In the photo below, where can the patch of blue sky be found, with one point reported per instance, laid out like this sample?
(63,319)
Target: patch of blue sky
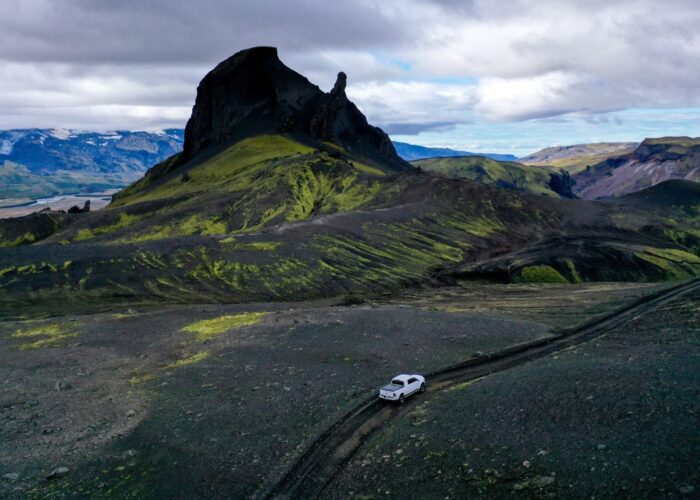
(523,138)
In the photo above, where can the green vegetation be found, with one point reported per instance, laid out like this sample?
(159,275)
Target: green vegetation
(141,379)
(43,335)
(575,159)
(264,246)
(367,169)
(231,170)
(259,181)
(194,224)
(392,254)
(313,192)
(478,226)
(23,239)
(125,220)
(210,328)
(686,142)
(576,278)
(676,264)
(541,274)
(491,172)
(189,360)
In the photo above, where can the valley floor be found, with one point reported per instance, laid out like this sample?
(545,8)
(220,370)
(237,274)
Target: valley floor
(613,418)
(217,401)
(24,206)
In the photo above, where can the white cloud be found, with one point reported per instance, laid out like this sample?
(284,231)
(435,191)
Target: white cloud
(550,94)
(421,105)
(412,64)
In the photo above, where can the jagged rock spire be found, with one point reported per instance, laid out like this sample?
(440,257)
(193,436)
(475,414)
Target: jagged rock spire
(253,93)
(340,83)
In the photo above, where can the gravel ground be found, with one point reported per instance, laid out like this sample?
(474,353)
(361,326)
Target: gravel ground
(559,306)
(614,418)
(134,406)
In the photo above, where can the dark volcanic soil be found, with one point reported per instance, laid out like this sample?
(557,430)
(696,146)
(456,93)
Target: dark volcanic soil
(614,418)
(132,405)
(225,416)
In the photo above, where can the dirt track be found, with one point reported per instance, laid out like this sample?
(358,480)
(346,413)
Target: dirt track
(330,452)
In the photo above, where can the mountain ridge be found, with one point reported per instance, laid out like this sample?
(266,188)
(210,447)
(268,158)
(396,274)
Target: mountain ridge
(410,152)
(575,157)
(312,209)
(72,161)
(506,175)
(655,160)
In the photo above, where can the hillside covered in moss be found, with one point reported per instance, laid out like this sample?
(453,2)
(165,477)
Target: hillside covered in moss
(503,174)
(285,192)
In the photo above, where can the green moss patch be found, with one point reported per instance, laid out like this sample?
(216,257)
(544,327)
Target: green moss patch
(534,180)
(225,171)
(192,225)
(125,220)
(188,360)
(210,328)
(259,181)
(541,274)
(44,335)
(22,239)
(674,263)
(141,379)
(575,277)
(263,246)
(362,167)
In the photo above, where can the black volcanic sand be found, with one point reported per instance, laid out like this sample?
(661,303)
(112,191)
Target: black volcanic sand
(614,418)
(559,306)
(230,423)
(223,425)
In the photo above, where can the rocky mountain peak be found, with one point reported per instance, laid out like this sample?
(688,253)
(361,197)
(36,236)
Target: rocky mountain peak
(253,93)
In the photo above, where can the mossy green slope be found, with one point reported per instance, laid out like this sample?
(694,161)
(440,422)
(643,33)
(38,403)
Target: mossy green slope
(267,219)
(255,183)
(510,175)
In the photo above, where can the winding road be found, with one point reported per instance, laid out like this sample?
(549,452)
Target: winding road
(327,455)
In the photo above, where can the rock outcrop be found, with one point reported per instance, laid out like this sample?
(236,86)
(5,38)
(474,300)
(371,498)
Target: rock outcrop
(253,93)
(652,162)
(75,209)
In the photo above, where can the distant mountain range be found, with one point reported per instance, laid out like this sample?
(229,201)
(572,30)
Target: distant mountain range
(36,163)
(43,162)
(652,162)
(577,157)
(410,152)
(612,169)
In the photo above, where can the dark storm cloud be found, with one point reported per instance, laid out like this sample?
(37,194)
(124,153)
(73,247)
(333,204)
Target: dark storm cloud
(183,31)
(411,63)
(417,128)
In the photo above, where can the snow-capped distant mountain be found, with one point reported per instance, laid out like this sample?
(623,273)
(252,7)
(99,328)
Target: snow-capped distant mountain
(43,162)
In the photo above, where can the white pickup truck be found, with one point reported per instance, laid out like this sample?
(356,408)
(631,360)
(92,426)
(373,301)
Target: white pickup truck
(401,387)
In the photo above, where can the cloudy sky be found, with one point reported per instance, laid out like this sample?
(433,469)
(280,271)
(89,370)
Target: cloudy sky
(507,76)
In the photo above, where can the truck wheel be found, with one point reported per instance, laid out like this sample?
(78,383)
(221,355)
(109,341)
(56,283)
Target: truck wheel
(422,387)
(401,399)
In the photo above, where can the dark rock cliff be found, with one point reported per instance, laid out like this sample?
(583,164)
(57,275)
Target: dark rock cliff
(253,92)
